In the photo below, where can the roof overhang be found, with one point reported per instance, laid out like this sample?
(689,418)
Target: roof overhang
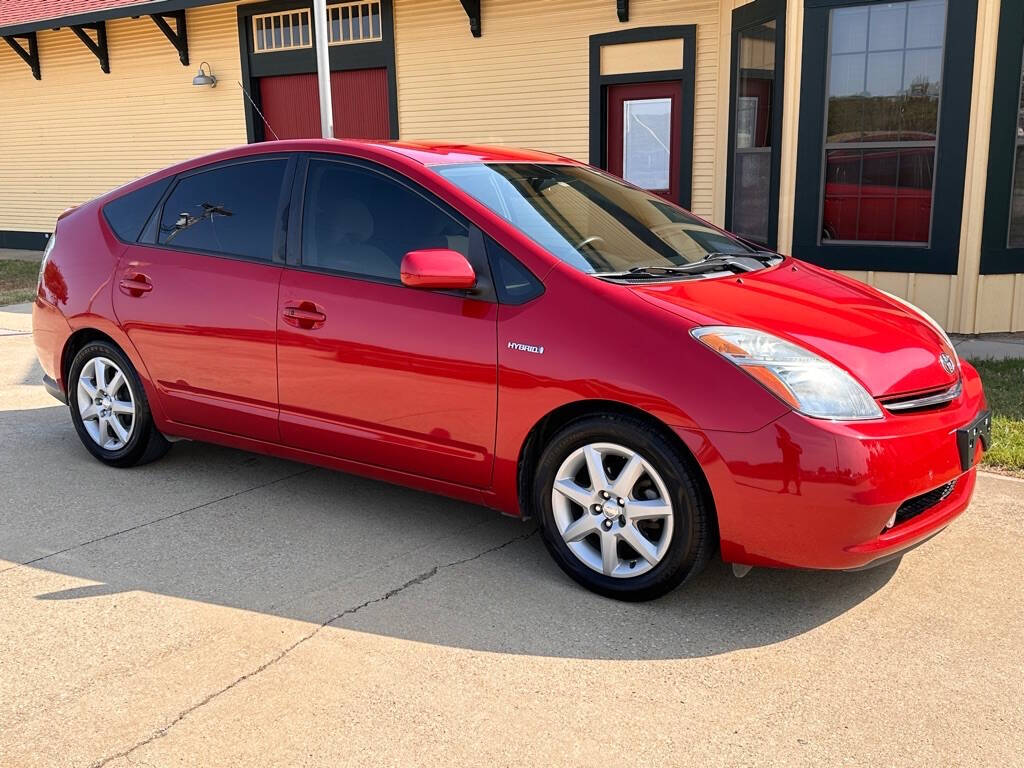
(146,8)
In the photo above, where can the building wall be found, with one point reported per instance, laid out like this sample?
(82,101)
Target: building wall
(78,132)
(525,81)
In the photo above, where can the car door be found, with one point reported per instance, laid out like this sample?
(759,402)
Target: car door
(371,370)
(197,295)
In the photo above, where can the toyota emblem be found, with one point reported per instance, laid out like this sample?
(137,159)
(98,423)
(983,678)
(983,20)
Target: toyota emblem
(947,363)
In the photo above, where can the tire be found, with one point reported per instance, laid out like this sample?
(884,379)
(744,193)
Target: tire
(102,360)
(678,541)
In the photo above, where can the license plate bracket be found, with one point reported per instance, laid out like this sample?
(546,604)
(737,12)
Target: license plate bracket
(967,438)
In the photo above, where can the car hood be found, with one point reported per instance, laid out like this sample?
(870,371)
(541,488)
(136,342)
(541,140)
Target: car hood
(888,348)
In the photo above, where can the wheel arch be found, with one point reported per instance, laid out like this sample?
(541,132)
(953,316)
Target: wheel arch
(84,335)
(75,342)
(558,418)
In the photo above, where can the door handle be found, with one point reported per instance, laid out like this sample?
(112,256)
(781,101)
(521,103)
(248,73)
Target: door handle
(306,315)
(136,285)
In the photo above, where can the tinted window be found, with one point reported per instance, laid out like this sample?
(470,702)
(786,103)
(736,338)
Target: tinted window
(128,214)
(514,282)
(231,210)
(361,222)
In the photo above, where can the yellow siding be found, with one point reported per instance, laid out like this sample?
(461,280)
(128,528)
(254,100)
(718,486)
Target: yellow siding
(525,81)
(78,132)
(650,56)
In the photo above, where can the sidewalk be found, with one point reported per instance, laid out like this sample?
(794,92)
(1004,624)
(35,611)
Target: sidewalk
(989,346)
(14,254)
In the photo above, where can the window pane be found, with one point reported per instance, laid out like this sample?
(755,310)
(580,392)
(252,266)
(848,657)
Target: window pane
(647,131)
(1016,235)
(753,140)
(878,194)
(128,214)
(363,223)
(230,210)
(883,194)
(885,71)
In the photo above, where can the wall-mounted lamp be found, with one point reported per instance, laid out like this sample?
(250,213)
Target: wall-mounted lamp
(206,78)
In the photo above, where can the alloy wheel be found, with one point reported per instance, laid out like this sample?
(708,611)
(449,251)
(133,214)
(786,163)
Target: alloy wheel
(612,509)
(106,404)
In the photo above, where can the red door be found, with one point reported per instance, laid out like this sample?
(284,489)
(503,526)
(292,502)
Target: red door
(359,97)
(644,131)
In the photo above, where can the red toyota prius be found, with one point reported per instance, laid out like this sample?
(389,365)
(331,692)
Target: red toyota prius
(521,331)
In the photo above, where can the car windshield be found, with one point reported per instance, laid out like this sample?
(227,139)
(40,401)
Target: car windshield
(590,220)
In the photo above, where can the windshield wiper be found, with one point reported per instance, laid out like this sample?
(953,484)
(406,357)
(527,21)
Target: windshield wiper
(765,257)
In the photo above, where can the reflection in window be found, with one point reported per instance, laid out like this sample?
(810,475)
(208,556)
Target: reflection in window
(884,86)
(647,132)
(752,159)
(1016,234)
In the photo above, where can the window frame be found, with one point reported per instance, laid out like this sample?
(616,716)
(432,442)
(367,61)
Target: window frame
(997,257)
(743,19)
(150,236)
(941,254)
(478,256)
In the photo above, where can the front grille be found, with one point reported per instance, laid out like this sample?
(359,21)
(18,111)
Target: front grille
(936,398)
(918,505)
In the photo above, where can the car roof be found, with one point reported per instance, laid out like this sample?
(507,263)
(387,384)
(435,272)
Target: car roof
(427,152)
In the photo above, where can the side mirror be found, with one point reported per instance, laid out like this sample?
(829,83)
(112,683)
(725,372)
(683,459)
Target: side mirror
(437,268)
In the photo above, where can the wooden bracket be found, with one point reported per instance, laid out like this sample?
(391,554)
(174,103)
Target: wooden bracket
(178,36)
(472,8)
(30,56)
(98,47)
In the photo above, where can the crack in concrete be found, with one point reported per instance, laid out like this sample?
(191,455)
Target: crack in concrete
(170,516)
(419,579)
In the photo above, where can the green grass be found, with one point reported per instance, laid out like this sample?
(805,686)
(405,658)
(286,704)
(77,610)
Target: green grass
(1004,389)
(18,281)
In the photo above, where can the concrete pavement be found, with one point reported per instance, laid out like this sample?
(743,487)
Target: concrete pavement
(222,608)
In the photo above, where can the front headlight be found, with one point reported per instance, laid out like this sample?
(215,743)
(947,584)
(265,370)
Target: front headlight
(804,380)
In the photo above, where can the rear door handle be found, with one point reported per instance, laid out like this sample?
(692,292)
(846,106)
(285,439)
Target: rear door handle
(304,315)
(136,285)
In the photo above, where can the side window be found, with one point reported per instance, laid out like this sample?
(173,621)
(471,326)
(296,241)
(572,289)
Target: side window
(515,284)
(362,223)
(231,210)
(128,214)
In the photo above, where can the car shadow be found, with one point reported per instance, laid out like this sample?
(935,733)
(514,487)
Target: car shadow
(259,534)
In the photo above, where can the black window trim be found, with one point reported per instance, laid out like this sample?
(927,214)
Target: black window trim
(150,232)
(942,254)
(685,77)
(485,288)
(997,257)
(743,18)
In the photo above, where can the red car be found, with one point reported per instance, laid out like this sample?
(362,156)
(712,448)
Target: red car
(517,330)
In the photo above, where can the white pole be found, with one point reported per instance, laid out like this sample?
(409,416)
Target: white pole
(323,68)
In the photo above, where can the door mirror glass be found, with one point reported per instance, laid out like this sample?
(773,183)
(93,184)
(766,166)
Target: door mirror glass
(437,269)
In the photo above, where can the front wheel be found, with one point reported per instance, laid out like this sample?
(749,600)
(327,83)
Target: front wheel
(109,408)
(620,508)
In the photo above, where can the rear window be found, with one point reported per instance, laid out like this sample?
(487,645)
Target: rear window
(128,214)
(229,209)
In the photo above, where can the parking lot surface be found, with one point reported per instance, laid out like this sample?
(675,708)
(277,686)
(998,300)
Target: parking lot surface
(223,608)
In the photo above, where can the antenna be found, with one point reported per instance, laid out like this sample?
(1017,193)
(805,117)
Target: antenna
(264,119)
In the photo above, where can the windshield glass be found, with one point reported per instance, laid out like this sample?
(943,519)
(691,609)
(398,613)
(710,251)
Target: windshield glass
(590,220)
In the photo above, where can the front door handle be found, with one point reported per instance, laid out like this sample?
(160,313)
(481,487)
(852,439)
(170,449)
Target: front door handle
(305,315)
(136,285)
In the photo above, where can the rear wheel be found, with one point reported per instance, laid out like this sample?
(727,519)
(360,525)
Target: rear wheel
(109,408)
(621,511)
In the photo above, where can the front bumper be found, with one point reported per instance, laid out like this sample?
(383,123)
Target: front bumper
(808,493)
